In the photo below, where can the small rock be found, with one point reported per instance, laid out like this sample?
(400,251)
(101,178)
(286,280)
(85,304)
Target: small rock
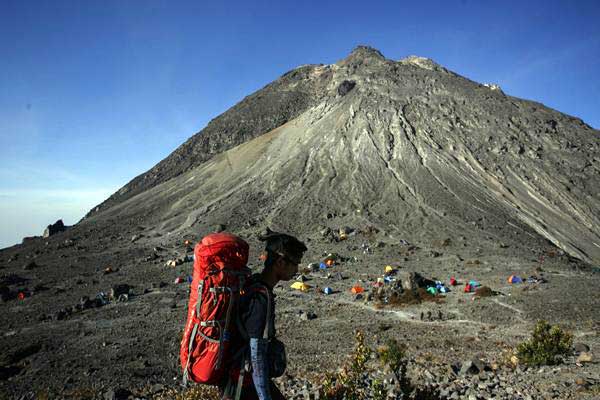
(219,228)
(117,394)
(346,230)
(5,293)
(135,238)
(581,348)
(474,366)
(307,316)
(158,285)
(119,289)
(86,303)
(151,257)
(585,357)
(30,265)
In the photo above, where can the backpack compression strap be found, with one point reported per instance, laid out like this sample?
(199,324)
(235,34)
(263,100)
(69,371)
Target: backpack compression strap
(196,313)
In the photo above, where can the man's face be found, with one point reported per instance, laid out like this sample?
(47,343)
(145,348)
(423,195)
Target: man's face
(286,268)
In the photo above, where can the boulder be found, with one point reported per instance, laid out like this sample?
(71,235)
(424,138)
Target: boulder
(581,348)
(55,228)
(30,265)
(5,293)
(345,87)
(345,230)
(117,394)
(472,367)
(119,290)
(414,280)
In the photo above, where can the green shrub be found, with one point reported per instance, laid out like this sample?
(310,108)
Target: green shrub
(348,384)
(393,355)
(546,346)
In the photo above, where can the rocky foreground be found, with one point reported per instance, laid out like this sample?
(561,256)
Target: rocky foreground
(102,315)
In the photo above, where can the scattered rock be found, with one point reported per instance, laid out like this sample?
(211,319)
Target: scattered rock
(136,237)
(413,280)
(345,87)
(55,228)
(158,285)
(30,265)
(5,293)
(581,348)
(118,290)
(117,394)
(585,357)
(307,316)
(86,303)
(219,228)
(346,230)
(175,262)
(151,257)
(472,367)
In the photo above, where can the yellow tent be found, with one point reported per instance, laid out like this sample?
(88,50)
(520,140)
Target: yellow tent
(300,286)
(389,269)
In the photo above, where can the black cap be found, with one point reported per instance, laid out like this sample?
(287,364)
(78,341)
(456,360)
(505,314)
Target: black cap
(283,244)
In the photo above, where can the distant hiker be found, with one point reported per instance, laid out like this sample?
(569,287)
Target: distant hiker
(229,337)
(257,317)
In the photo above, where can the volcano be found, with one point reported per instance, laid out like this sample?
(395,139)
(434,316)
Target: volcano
(406,146)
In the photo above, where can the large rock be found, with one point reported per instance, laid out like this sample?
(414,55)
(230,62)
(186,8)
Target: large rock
(413,280)
(55,228)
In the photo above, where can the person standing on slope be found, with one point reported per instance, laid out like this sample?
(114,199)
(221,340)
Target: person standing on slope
(265,354)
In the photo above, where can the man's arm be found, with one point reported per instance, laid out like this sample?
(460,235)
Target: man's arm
(260,367)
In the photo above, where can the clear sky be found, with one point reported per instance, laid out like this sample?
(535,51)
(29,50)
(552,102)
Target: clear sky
(93,93)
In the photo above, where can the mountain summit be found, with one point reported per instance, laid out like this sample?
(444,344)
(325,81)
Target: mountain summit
(406,146)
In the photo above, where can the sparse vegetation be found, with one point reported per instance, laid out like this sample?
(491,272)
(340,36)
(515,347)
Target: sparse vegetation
(394,357)
(548,343)
(410,297)
(356,380)
(348,384)
(195,392)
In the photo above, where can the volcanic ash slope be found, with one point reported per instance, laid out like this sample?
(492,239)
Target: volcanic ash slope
(413,149)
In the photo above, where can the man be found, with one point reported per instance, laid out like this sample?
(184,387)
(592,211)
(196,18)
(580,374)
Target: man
(265,354)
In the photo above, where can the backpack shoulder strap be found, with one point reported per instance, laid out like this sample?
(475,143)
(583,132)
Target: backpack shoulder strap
(261,288)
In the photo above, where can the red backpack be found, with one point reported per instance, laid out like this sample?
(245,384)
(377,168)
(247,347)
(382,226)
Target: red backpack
(220,274)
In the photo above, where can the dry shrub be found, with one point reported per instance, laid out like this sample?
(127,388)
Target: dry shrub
(196,392)
(484,291)
(81,394)
(411,297)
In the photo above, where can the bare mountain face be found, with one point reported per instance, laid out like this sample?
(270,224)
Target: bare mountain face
(406,146)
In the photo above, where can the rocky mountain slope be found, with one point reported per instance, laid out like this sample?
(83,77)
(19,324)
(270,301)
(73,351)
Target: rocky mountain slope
(411,148)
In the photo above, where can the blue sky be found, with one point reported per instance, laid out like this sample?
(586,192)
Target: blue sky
(93,93)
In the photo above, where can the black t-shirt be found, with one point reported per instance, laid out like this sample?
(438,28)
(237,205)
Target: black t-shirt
(253,309)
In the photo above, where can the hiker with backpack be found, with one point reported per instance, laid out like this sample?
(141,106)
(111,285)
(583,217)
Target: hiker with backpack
(229,338)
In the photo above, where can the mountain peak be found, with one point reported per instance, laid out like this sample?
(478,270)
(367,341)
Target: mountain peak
(423,62)
(362,51)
